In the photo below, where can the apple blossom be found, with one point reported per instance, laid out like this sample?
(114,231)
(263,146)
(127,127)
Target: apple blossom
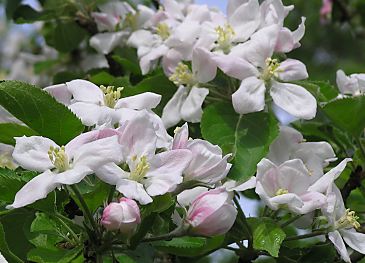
(123,216)
(212,213)
(351,85)
(145,173)
(65,165)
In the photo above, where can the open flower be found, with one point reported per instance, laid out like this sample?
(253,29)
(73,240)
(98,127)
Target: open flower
(143,173)
(60,165)
(187,101)
(351,85)
(252,63)
(343,224)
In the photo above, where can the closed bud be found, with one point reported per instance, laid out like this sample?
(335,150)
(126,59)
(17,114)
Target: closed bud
(123,216)
(212,213)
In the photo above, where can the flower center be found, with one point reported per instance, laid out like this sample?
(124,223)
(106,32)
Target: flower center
(140,170)
(348,220)
(59,158)
(281,191)
(182,75)
(270,69)
(131,21)
(225,37)
(7,162)
(163,31)
(111,96)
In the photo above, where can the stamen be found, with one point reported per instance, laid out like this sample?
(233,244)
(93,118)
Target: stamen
(163,31)
(131,21)
(141,169)
(111,96)
(271,69)
(225,37)
(348,220)
(281,191)
(59,158)
(182,76)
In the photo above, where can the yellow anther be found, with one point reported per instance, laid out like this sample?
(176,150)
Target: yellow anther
(348,220)
(163,31)
(111,96)
(140,170)
(225,37)
(131,21)
(177,129)
(182,76)
(59,158)
(271,69)
(281,191)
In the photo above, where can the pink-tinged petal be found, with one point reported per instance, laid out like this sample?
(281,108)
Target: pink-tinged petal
(134,190)
(245,20)
(111,173)
(85,91)
(87,137)
(170,61)
(97,153)
(171,114)
(282,147)
(354,239)
(181,138)
(232,185)
(250,96)
(106,42)
(138,137)
(105,21)
(89,113)
(298,34)
(235,67)
(146,100)
(191,109)
(285,41)
(233,5)
(311,202)
(147,61)
(292,69)
(294,99)
(336,239)
(31,153)
(60,93)
(346,85)
(203,66)
(322,184)
(186,197)
(274,12)
(37,188)
(267,176)
(166,170)
(293,176)
(292,200)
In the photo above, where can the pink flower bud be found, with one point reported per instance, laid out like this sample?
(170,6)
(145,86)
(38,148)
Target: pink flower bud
(212,213)
(123,216)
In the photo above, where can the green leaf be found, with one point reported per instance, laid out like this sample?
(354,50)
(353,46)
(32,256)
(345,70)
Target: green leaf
(43,255)
(65,37)
(39,111)
(10,184)
(182,242)
(347,114)
(9,256)
(10,130)
(248,136)
(267,235)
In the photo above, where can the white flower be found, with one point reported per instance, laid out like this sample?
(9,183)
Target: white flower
(252,63)
(187,101)
(343,224)
(351,85)
(60,165)
(144,173)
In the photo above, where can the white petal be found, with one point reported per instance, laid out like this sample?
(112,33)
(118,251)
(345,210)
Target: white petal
(203,66)
(336,239)
(32,153)
(171,113)
(292,69)
(346,85)
(105,42)
(294,176)
(311,202)
(146,100)
(354,239)
(140,38)
(105,21)
(134,190)
(285,41)
(181,138)
(292,200)
(232,185)
(250,96)
(146,61)
(166,171)
(299,32)
(233,5)
(191,110)
(294,99)
(267,177)
(60,93)
(235,66)
(186,197)
(85,91)
(89,113)
(111,173)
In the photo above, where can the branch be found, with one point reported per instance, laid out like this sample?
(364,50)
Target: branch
(353,182)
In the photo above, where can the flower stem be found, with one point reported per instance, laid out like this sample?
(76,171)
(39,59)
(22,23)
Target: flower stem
(291,220)
(111,193)
(178,232)
(313,234)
